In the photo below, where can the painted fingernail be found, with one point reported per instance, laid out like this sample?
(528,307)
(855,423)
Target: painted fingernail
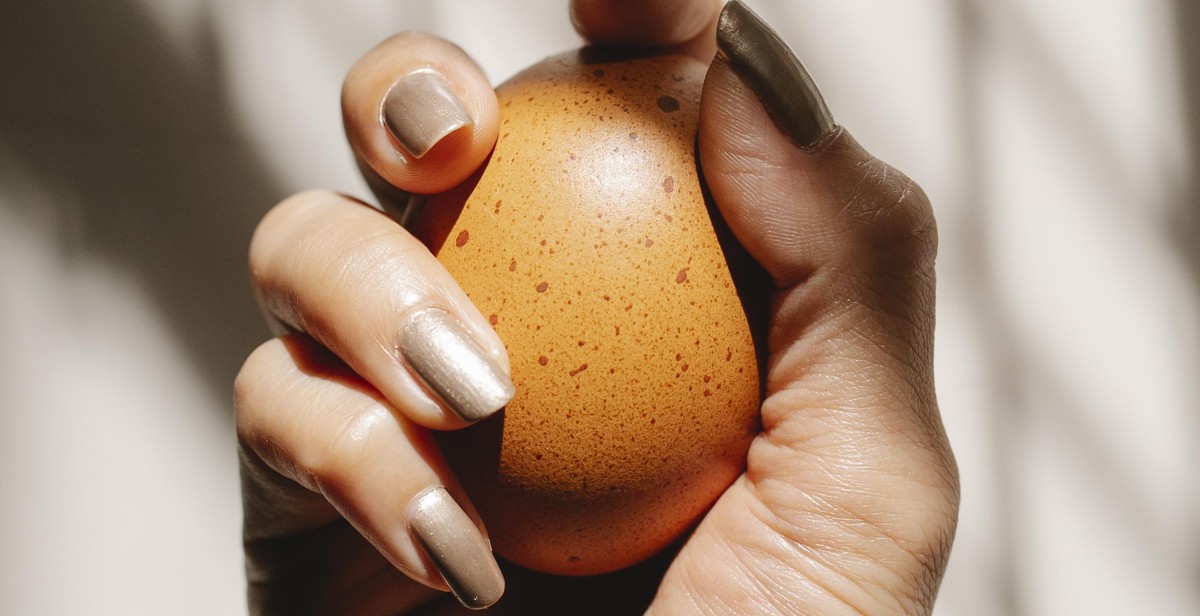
(456,547)
(767,65)
(453,365)
(421,109)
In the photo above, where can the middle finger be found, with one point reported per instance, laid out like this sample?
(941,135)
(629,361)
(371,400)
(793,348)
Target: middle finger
(357,282)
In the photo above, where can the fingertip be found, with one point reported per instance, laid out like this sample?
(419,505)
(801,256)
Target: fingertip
(313,421)
(419,113)
(801,194)
(422,109)
(644,22)
(441,351)
(766,64)
(454,543)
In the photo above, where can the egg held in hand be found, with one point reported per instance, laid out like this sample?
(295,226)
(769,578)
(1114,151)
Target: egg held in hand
(587,242)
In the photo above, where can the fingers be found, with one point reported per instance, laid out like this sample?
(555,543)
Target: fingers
(800,193)
(419,113)
(311,420)
(829,222)
(363,287)
(846,238)
(850,494)
(682,24)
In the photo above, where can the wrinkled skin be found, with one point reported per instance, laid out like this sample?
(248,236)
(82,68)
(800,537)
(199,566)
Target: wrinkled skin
(850,496)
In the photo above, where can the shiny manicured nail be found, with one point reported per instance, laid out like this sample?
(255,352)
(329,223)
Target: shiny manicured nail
(767,65)
(453,365)
(456,547)
(421,109)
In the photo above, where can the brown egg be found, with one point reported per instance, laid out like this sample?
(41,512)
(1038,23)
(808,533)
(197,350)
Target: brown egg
(588,244)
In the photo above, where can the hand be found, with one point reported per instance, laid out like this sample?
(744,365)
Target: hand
(850,495)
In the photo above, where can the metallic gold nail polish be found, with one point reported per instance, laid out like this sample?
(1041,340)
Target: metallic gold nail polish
(421,109)
(767,65)
(441,351)
(456,547)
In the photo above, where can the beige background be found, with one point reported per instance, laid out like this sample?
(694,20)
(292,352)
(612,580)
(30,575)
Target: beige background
(140,140)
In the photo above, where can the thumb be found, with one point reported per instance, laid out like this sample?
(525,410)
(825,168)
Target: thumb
(850,495)
(798,191)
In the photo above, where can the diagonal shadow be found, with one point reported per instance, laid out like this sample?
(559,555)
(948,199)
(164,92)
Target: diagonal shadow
(1017,371)
(1004,419)
(1183,215)
(1074,119)
(148,169)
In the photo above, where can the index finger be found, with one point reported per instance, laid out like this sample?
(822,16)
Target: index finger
(683,24)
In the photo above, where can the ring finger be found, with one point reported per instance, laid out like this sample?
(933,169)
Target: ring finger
(318,437)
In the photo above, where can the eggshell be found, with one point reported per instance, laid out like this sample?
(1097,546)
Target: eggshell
(588,244)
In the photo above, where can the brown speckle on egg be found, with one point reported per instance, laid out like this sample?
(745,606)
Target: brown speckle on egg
(589,470)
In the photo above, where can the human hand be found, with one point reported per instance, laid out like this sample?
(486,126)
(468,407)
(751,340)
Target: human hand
(850,495)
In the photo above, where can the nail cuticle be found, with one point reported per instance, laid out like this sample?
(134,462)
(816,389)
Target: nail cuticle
(827,138)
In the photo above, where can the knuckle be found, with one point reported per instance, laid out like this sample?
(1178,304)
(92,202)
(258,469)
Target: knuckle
(893,214)
(318,436)
(366,262)
(254,377)
(337,453)
(315,258)
(277,226)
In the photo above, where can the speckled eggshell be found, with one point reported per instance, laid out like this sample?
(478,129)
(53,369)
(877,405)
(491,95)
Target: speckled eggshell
(588,244)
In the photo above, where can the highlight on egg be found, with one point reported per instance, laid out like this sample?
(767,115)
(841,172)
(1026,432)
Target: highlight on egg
(588,242)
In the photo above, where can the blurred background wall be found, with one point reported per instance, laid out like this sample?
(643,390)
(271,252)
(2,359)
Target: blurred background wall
(141,140)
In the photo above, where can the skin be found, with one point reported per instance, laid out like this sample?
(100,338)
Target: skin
(850,496)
